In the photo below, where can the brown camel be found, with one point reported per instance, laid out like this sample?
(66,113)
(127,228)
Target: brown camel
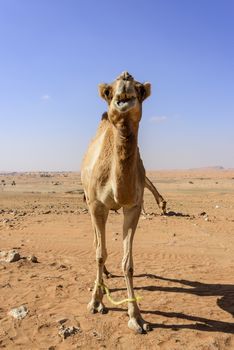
(113,176)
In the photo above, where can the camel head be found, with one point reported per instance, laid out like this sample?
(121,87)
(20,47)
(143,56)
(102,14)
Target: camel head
(124,97)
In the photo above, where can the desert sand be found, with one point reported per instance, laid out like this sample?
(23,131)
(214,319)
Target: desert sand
(184,264)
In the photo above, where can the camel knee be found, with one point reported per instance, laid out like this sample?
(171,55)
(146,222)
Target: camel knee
(128,272)
(127,268)
(101,259)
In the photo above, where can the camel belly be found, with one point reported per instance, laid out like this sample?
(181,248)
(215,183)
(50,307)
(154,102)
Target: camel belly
(106,196)
(115,200)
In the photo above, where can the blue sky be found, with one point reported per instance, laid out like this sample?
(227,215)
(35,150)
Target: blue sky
(54,53)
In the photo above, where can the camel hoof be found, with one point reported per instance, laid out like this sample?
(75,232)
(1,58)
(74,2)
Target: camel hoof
(96,306)
(147,327)
(103,311)
(133,324)
(139,326)
(107,273)
(91,308)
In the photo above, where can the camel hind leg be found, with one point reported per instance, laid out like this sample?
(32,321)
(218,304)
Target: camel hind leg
(159,199)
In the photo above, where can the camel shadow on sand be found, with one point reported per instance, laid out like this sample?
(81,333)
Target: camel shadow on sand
(225,302)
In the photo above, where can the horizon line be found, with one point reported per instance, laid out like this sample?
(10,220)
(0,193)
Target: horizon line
(216,167)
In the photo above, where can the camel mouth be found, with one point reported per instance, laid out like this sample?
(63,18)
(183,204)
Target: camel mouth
(125,103)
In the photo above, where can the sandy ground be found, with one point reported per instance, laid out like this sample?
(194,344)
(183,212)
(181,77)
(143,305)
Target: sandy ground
(184,264)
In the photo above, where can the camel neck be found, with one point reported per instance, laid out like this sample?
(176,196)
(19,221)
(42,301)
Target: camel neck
(125,142)
(125,163)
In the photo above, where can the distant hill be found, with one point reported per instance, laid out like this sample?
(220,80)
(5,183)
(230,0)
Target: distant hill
(5,173)
(216,167)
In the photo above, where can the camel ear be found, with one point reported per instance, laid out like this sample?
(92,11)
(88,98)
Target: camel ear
(105,91)
(147,87)
(144,91)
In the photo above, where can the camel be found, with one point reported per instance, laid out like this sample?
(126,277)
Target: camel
(113,176)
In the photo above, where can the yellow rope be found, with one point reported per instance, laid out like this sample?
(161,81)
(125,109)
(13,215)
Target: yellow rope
(102,285)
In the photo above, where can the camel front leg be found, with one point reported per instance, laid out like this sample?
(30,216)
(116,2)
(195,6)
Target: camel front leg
(131,217)
(99,214)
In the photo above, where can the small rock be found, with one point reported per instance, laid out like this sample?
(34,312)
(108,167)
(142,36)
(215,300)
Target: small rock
(217,206)
(23,213)
(203,213)
(19,313)
(46,212)
(62,266)
(62,320)
(32,258)
(66,332)
(13,212)
(12,256)
(3,254)
(97,335)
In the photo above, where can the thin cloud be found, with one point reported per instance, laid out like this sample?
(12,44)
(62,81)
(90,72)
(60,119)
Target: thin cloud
(158,119)
(45,97)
